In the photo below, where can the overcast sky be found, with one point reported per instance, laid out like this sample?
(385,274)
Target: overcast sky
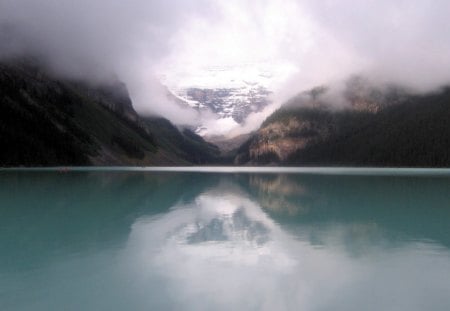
(304,42)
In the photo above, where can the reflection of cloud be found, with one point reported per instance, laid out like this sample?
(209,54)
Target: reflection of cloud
(357,239)
(222,252)
(230,226)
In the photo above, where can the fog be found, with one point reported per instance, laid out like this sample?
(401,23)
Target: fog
(97,40)
(307,43)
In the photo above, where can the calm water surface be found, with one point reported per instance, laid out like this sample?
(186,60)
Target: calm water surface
(314,239)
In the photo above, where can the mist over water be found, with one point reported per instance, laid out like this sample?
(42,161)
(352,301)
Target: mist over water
(199,241)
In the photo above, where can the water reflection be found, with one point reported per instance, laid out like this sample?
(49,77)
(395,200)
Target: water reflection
(226,250)
(217,252)
(189,241)
(401,208)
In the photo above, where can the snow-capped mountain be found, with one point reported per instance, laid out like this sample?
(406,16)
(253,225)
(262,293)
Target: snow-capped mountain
(236,102)
(231,93)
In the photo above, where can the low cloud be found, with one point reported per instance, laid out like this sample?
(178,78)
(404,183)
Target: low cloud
(314,42)
(98,39)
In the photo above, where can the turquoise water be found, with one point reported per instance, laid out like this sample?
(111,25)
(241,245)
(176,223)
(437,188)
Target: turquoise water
(225,239)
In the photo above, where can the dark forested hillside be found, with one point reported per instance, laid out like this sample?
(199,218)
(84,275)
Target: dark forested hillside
(412,132)
(46,121)
(185,144)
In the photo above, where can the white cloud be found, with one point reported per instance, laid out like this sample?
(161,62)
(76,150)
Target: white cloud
(304,42)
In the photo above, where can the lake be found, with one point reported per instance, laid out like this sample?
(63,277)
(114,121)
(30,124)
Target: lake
(224,239)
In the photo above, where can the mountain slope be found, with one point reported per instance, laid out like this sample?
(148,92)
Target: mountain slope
(48,121)
(184,144)
(406,130)
(415,133)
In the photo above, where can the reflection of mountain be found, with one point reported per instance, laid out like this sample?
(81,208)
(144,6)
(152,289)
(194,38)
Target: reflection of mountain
(275,193)
(356,211)
(90,210)
(43,214)
(230,220)
(402,207)
(220,221)
(221,250)
(217,252)
(202,241)
(229,227)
